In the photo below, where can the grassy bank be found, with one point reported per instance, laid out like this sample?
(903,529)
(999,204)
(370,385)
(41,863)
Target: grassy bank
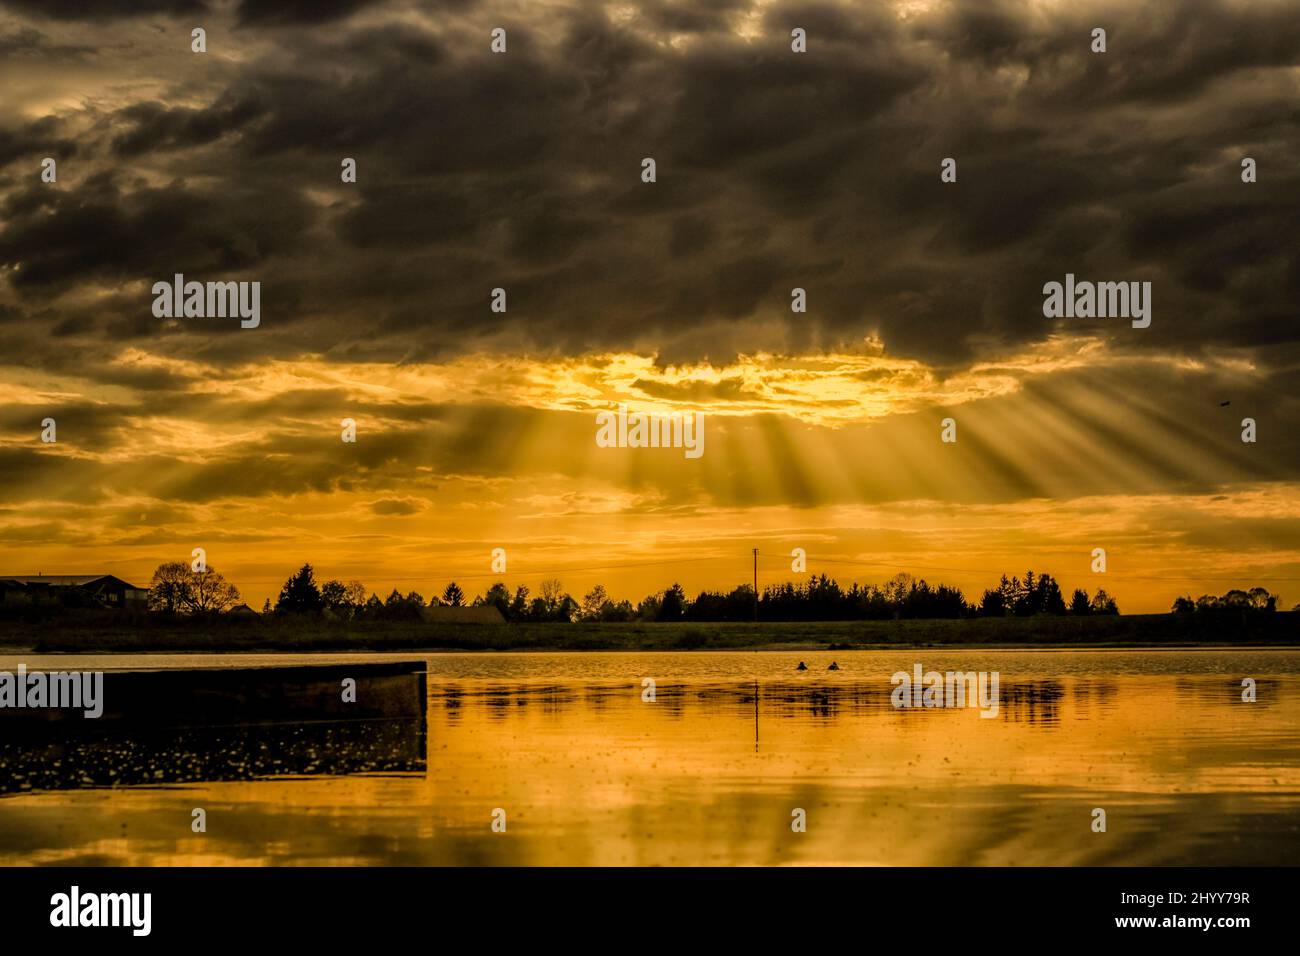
(106,633)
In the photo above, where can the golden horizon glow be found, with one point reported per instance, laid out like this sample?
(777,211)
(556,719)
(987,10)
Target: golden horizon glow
(837,453)
(776,170)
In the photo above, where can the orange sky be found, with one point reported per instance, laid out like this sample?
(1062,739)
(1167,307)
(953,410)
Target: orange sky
(776,170)
(838,454)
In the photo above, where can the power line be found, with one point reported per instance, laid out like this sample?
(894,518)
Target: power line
(1124,574)
(534,572)
(724,561)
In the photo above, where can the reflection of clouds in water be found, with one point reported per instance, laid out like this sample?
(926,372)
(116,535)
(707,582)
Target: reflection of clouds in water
(224,723)
(186,756)
(591,774)
(1227,691)
(1033,701)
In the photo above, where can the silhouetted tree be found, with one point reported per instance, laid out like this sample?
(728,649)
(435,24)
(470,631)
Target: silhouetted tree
(1261,600)
(1103,603)
(334,594)
(551,604)
(170,587)
(300,595)
(618,611)
(992,604)
(1044,595)
(519,604)
(735,606)
(593,604)
(210,593)
(551,592)
(673,604)
(176,588)
(648,609)
(567,609)
(1235,604)
(499,597)
(453,595)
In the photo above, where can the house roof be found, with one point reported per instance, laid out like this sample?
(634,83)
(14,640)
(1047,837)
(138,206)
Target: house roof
(67,580)
(475,614)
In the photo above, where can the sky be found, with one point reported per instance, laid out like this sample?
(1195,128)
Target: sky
(774,170)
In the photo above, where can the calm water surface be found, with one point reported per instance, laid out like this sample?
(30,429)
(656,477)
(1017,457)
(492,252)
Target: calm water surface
(708,774)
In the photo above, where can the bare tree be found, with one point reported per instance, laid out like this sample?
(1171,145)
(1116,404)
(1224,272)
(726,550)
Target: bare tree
(169,591)
(211,593)
(178,589)
(594,602)
(551,592)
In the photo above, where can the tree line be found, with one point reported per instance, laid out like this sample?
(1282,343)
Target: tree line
(178,589)
(1236,601)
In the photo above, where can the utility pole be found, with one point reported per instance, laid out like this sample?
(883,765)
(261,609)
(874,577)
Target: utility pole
(756,585)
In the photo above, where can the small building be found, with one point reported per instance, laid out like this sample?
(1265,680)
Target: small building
(242,610)
(476,614)
(84,590)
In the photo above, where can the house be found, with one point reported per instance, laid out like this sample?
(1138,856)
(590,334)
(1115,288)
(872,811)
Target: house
(84,590)
(478,614)
(242,610)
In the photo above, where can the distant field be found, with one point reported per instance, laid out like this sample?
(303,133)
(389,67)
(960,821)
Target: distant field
(107,634)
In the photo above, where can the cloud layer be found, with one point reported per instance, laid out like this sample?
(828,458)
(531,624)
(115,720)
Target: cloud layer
(775,170)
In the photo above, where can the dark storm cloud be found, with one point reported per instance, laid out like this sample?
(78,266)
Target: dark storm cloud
(280,463)
(102,232)
(104,9)
(29,42)
(690,16)
(775,170)
(36,140)
(396,506)
(93,427)
(156,127)
(730,389)
(264,12)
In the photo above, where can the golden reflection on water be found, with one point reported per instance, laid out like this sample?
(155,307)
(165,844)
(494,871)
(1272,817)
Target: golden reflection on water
(589,773)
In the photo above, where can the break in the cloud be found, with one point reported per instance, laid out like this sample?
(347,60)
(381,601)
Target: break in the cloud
(775,170)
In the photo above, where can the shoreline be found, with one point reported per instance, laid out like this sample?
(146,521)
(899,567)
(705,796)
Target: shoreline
(15,651)
(106,634)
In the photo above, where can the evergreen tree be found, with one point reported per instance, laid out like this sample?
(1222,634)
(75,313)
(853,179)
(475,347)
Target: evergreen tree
(673,605)
(453,596)
(300,595)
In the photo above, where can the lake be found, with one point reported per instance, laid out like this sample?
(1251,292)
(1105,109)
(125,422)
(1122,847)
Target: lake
(585,769)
